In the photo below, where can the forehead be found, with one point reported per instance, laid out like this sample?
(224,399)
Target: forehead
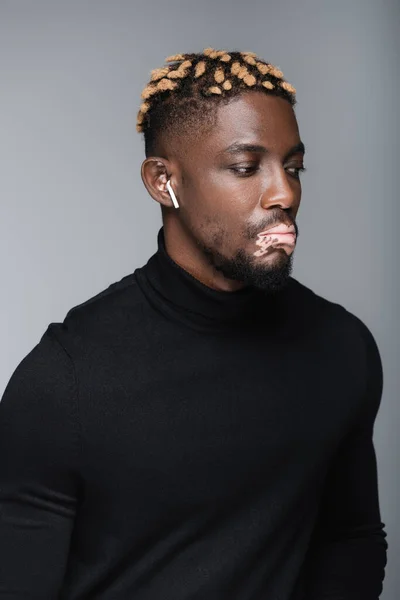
(252,118)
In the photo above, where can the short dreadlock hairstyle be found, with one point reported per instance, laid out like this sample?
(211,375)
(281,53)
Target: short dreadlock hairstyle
(185,91)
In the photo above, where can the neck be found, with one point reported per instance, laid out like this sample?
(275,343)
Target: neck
(184,250)
(179,295)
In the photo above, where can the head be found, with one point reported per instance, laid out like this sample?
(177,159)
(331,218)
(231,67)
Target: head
(221,128)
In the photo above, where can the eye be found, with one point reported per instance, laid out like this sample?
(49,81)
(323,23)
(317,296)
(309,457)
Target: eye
(297,171)
(244,170)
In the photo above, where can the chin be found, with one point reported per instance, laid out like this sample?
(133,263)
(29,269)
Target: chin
(270,273)
(271,279)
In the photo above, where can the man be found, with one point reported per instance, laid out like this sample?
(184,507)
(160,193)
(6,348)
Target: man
(202,429)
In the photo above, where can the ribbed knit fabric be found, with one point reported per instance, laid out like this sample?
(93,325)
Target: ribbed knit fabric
(168,441)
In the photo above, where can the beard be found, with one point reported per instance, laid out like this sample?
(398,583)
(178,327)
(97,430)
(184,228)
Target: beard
(270,278)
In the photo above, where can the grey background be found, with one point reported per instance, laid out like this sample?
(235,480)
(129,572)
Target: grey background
(74,215)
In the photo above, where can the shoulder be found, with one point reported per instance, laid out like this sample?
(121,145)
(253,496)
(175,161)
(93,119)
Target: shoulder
(107,303)
(49,369)
(335,327)
(341,335)
(100,318)
(309,304)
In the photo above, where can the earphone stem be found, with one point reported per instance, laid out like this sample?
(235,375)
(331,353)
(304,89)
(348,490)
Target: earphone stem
(172,194)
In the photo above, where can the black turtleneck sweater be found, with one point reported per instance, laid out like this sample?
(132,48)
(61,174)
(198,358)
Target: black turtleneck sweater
(168,441)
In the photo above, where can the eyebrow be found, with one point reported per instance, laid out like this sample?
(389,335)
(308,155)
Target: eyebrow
(236,148)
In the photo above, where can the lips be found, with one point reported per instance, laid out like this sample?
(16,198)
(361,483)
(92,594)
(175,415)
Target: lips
(279,229)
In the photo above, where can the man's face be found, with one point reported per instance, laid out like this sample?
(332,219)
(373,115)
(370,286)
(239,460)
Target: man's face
(240,179)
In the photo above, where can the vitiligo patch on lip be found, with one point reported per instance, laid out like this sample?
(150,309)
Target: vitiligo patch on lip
(266,242)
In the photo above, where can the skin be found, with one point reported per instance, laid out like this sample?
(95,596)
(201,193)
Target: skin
(227,197)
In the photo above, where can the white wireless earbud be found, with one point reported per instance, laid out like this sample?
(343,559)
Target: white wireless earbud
(172,194)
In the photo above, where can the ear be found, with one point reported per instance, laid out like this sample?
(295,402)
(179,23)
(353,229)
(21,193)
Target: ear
(155,173)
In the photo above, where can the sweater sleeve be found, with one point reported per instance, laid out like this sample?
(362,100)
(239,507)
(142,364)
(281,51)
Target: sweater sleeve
(347,555)
(38,472)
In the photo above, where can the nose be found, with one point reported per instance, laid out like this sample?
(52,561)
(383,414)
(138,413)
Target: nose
(279,191)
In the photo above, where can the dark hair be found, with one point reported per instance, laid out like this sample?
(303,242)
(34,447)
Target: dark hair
(190,86)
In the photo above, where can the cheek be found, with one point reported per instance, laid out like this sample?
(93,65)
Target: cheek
(229,195)
(218,203)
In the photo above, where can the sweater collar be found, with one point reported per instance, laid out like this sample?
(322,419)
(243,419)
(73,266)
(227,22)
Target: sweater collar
(179,295)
